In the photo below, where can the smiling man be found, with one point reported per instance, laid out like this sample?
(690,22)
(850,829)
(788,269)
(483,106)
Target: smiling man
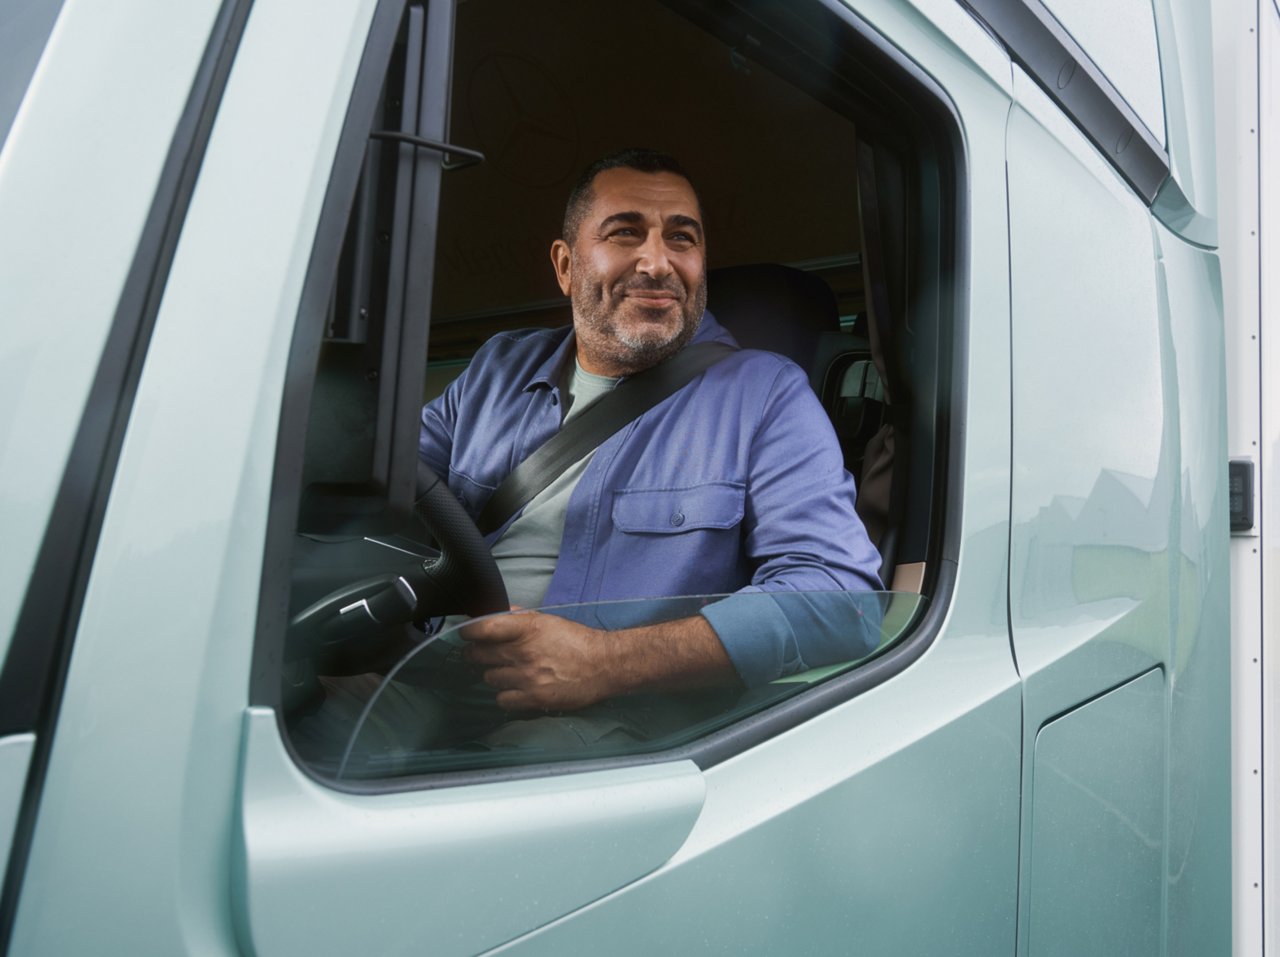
(633,261)
(733,484)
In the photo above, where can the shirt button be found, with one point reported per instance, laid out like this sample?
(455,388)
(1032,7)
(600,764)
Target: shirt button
(677,519)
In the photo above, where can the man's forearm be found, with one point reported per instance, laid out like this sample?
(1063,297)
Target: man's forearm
(538,661)
(670,656)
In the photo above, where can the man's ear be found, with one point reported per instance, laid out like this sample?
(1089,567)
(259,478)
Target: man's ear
(562,263)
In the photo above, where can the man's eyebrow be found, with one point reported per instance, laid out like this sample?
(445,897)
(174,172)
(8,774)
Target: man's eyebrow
(688,222)
(630,217)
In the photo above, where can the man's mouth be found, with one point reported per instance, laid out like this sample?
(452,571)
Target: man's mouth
(652,298)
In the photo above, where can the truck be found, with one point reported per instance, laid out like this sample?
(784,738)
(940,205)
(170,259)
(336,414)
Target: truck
(1023,251)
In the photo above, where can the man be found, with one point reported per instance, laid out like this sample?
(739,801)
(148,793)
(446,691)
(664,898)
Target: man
(734,484)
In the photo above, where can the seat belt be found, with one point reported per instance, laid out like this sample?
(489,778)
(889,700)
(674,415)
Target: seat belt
(586,431)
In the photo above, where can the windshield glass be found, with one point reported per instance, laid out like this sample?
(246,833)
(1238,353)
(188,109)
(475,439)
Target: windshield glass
(25,26)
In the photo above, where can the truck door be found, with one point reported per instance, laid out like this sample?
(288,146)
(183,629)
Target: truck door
(175,813)
(462,851)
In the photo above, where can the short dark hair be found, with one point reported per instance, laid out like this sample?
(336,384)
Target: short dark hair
(636,158)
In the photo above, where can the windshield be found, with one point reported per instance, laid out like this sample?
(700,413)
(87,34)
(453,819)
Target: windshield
(25,26)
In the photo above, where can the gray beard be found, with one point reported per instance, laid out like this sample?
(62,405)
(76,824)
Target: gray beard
(628,353)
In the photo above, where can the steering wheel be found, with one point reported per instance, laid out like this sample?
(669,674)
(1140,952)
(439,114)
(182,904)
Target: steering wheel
(462,578)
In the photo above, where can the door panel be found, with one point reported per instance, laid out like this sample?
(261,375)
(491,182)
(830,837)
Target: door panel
(1119,529)
(900,839)
(453,871)
(1094,439)
(1094,471)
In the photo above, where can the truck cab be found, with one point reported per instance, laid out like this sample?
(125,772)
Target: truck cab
(243,241)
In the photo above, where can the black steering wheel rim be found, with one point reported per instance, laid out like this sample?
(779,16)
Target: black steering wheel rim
(462,578)
(465,569)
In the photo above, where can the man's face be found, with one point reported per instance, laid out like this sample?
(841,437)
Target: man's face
(636,271)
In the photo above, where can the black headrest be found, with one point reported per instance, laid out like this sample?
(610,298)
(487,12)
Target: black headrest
(767,306)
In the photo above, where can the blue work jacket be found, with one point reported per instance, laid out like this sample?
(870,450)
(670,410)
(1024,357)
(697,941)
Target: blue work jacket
(735,484)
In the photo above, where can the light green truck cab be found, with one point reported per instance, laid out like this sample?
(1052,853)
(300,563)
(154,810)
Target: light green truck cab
(1019,207)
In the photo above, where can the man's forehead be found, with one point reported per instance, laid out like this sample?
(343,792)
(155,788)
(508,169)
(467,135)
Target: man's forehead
(661,194)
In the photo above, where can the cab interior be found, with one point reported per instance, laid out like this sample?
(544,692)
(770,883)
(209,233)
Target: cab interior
(807,194)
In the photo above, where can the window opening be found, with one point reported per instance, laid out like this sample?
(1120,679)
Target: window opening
(846,152)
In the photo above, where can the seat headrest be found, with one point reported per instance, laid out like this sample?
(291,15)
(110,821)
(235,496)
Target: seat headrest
(773,307)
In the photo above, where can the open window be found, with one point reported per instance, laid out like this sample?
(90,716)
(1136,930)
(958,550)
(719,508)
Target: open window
(828,176)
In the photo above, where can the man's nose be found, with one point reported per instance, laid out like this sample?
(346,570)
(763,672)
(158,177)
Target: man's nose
(653,259)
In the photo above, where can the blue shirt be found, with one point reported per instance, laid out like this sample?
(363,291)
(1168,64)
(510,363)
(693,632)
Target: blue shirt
(735,484)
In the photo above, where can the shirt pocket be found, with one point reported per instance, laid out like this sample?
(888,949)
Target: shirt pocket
(675,511)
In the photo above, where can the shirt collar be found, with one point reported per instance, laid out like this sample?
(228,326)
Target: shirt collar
(547,375)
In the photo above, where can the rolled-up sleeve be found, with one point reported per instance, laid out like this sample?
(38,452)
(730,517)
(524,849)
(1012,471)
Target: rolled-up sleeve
(806,544)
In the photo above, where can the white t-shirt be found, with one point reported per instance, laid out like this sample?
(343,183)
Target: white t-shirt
(529,549)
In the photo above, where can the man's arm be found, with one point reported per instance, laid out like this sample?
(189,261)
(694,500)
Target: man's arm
(541,662)
(811,600)
(812,597)
(436,424)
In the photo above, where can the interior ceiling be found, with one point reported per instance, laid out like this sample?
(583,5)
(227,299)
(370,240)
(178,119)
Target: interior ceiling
(545,88)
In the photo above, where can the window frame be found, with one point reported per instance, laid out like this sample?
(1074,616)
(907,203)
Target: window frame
(865,61)
(313,308)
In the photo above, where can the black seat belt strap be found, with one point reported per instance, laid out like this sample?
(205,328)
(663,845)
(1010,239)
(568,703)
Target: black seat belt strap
(585,432)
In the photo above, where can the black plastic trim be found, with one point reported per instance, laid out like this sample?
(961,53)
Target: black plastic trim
(412,276)
(1240,494)
(1061,67)
(942,124)
(34,675)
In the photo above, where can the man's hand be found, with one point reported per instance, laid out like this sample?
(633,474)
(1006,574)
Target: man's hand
(541,662)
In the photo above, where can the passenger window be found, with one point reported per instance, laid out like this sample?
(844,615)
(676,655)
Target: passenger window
(824,209)
(428,712)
